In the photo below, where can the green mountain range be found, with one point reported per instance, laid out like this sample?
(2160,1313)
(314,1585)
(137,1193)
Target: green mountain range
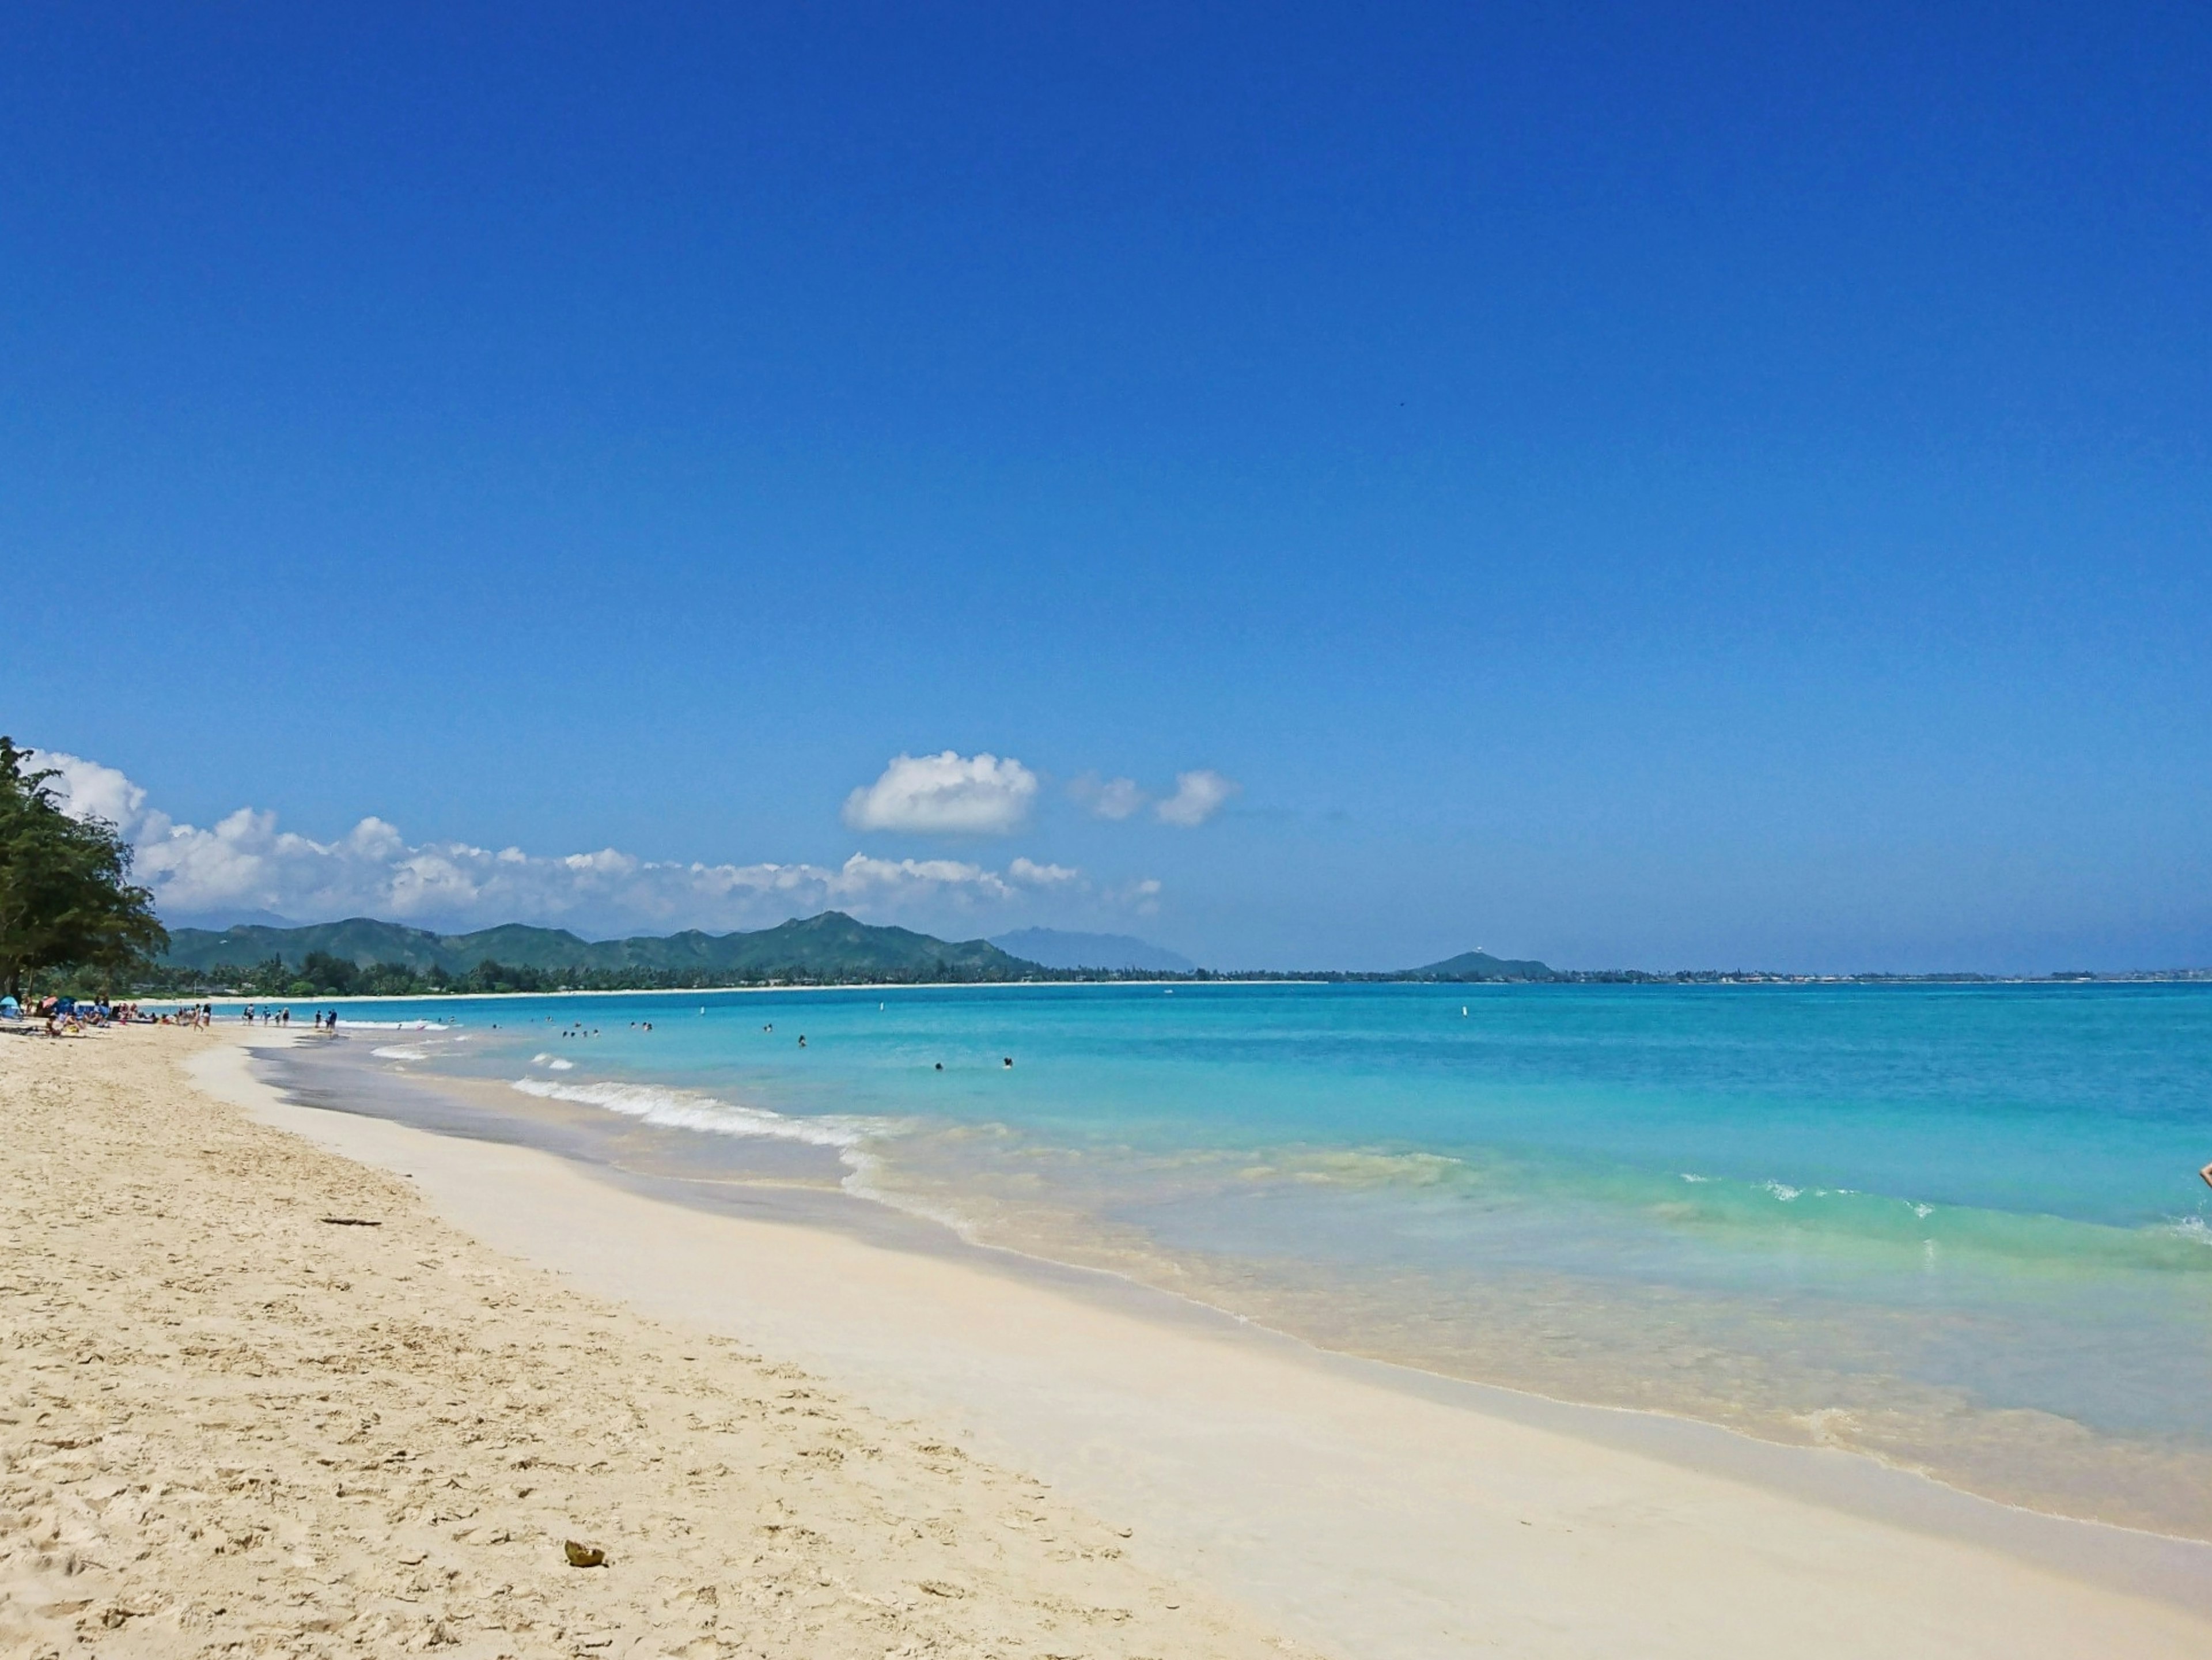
(831,947)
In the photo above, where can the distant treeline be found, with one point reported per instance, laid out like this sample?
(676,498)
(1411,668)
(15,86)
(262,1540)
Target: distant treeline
(362,957)
(324,976)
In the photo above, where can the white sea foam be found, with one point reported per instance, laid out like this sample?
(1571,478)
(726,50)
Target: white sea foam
(554,1063)
(679,1109)
(1686,1176)
(400,1052)
(1782,1190)
(2193,1227)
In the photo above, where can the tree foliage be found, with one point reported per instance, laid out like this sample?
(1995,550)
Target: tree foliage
(66,896)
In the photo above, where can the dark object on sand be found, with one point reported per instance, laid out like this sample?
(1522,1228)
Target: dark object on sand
(351,1222)
(581,1555)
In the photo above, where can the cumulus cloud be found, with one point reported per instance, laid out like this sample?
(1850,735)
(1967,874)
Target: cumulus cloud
(1198,796)
(88,790)
(245,863)
(946,794)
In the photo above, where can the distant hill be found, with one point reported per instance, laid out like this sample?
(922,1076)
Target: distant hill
(832,946)
(1473,965)
(1056,948)
(230,919)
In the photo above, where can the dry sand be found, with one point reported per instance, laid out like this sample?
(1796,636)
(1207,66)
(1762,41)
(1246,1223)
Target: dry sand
(230,1425)
(205,1420)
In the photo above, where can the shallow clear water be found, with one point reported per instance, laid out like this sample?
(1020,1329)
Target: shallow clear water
(1960,1227)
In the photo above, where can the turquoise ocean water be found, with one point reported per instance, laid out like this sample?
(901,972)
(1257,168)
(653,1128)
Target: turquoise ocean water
(1958,1227)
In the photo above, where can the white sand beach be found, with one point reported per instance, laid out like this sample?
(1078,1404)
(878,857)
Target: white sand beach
(235,1426)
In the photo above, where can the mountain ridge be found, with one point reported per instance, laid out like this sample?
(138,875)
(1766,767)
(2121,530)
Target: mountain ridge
(831,944)
(1059,948)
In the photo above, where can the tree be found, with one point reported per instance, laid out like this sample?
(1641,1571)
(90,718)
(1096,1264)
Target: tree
(328,975)
(66,896)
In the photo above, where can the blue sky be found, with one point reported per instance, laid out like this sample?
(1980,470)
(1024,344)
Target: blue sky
(1631,486)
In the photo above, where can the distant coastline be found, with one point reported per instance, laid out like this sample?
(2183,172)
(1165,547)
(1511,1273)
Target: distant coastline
(364,958)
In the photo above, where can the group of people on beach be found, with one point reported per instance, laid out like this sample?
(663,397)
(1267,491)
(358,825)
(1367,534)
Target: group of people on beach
(68,1017)
(269,1014)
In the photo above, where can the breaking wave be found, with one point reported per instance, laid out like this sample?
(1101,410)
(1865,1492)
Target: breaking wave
(681,1109)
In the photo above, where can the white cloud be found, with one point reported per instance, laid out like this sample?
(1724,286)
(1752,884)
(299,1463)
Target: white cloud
(1110,798)
(245,863)
(862,877)
(946,794)
(1198,796)
(88,790)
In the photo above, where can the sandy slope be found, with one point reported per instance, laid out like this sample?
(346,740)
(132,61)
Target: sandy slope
(228,1425)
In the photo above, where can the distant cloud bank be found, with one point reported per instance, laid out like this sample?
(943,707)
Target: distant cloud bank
(245,864)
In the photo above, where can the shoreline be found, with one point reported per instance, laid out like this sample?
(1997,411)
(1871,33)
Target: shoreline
(166,1002)
(851,1192)
(496,1190)
(1886,1490)
(1690,981)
